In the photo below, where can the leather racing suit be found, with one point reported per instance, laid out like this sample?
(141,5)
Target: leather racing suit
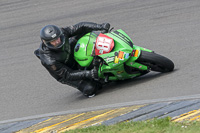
(61,64)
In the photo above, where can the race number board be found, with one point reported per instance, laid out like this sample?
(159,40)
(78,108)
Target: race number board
(104,44)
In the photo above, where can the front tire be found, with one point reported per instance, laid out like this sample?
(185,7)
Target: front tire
(156,62)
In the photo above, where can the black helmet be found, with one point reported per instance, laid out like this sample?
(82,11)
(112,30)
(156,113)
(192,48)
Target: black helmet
(50,33)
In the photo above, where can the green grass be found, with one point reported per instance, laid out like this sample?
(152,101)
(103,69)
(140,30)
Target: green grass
(151,126)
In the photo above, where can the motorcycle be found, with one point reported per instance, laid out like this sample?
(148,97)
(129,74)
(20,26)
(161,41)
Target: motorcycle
(116,57)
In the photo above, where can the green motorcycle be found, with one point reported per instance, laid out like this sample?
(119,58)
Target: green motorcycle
(116,57)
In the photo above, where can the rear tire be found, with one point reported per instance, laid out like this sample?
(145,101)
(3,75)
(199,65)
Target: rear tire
(156,62)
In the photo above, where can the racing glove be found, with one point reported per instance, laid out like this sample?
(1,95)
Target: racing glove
(93,74)
(106,27)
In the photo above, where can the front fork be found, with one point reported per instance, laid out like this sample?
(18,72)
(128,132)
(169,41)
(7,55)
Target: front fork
(134,56)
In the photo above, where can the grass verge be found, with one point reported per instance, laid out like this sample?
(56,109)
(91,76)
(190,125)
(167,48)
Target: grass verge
(164,125)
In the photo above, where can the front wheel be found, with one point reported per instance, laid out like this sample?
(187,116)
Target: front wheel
(156,62)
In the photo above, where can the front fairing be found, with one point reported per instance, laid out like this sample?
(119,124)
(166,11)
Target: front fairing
(84,49)
(113,62)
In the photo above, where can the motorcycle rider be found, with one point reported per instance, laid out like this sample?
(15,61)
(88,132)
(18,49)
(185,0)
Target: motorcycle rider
(56,53)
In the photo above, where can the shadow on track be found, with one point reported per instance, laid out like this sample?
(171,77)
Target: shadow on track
(132,82)
(120,84)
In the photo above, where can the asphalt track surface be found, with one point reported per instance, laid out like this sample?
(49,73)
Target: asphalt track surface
(168,27)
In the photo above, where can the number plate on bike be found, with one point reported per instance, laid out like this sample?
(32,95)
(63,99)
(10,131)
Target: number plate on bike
(104,44)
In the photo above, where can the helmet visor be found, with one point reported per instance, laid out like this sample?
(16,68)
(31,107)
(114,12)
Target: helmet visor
(56,43)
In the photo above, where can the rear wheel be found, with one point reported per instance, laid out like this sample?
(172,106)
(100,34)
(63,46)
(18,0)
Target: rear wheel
(156,62)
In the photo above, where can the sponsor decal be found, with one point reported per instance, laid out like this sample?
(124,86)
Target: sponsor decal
(132,54)
(119,75)
(53,36)
(110,59)
(120,72)
(120,56)
(136,53)
(104,44)
(101,51)
(116,61)
(126,56)
(106,57)
(131,63)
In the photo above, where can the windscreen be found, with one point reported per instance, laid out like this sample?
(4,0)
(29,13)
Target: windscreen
(91,44)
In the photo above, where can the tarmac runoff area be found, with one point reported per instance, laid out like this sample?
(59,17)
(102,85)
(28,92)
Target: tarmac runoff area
(177,108)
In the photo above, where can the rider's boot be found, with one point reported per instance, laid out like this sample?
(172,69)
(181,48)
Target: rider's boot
(89,88)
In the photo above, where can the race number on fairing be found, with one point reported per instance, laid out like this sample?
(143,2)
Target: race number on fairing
(104,44)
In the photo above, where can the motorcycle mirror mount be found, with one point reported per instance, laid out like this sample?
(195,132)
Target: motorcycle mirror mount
(111,29)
